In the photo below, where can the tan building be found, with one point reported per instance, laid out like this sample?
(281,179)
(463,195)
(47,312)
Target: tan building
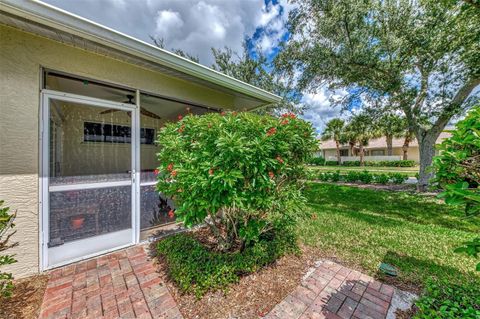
(81,105)
(376,150)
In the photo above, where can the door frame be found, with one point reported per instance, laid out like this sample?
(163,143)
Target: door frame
(44,138)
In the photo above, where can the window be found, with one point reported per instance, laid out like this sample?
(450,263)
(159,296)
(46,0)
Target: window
(112,133)
(377,152)
(343,152)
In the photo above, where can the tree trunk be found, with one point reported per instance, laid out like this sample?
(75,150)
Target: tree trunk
(426,145)
(362,155)
(389,145)
(338,152)
(352,145)
(406,144)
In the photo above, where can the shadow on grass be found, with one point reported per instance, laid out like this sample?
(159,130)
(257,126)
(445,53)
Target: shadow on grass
(408,207)
(413,272)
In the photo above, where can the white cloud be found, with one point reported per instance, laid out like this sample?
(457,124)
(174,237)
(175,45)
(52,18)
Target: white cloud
(169,24)
(320,109)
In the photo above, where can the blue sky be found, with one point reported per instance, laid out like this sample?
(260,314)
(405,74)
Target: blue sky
(196,26)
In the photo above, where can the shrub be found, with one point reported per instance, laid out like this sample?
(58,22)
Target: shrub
(195,268)
(381,178)
(334,176)
(398,178)
(351,177)
(6,224)
(365,177)
(331,163)
(446,300)
(457,171)
(235,172)
(316,161)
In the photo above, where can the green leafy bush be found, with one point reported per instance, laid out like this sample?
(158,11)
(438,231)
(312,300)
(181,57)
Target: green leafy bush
(457,171)
(6,225)
(381,178)
(316,161)
(331,163)
(442,299)
(235,172)
(398,178)
(351,177)
(365,177)
(195,268)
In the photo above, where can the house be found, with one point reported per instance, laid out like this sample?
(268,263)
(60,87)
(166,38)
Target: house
(376,150)
(81,105)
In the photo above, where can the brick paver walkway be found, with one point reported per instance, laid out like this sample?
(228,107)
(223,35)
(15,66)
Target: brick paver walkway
(334,291)
(123,284)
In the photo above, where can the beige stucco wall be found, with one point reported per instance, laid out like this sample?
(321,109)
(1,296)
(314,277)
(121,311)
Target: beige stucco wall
(412,153)
(21,56)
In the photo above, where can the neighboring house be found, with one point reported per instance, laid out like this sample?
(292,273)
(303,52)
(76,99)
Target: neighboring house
(375,150)
(81,106)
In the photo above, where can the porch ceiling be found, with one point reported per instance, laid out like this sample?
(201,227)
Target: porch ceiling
(50,22)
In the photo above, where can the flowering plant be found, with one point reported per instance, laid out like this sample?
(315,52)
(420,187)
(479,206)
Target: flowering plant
(236,172)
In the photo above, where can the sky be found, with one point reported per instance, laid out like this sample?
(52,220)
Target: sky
(195,26)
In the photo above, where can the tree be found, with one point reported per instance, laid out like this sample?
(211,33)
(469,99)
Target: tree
(421,58)
(361,129)
(408,136)
(334,131)
(391,126)
(250,68)
(257,71)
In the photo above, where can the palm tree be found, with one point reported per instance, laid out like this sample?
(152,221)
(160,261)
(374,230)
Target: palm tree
(333,131)
(409,136)
(362,130)
(391,125)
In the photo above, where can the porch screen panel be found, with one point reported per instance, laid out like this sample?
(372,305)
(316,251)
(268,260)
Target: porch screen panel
(90,162)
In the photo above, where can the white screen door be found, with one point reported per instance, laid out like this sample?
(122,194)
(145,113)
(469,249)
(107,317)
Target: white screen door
(88,161)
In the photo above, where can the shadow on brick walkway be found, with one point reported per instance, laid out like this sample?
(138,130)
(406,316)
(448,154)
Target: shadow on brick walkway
(334,291)
(122,284)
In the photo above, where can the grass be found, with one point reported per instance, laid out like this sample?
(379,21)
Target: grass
(411,171)
(415,233)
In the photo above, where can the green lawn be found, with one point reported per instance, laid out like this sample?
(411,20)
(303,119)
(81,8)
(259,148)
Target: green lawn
(365,227)
(411,171)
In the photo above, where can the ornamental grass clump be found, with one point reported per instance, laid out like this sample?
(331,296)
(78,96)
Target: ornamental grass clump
(238,173)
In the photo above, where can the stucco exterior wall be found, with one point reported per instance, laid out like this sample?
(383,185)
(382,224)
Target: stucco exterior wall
(412,153)
(21,57)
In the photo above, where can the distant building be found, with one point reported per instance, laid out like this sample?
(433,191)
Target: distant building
(376,150)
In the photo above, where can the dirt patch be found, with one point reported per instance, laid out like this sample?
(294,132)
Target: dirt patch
(26,299)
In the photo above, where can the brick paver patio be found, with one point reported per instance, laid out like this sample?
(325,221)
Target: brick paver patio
(123,284)
(334,291)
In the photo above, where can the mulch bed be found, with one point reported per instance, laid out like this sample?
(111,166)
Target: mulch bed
(26,299)
(256,294)
(253,296)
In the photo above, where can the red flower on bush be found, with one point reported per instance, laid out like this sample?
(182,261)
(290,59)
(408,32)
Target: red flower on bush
(181,129)
(284,122)
(210,171)
(171,213)
(289,115)
(279,159)
(223,113)
(180,117)
(170,167)
(271,174)
(156,171)
(271,131)
(174,173)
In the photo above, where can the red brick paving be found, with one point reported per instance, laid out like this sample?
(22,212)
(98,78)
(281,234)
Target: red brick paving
(336,292)
(123,284)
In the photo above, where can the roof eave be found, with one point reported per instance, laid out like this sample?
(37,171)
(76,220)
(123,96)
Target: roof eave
(56,18)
